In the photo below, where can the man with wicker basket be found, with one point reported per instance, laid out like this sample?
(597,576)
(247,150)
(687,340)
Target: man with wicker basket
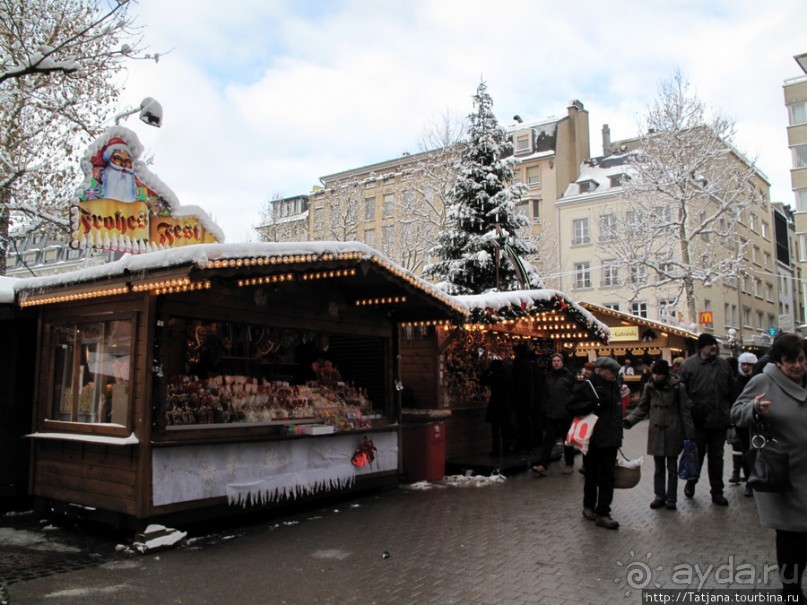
(600,395)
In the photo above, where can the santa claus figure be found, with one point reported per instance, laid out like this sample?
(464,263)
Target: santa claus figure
(114,168)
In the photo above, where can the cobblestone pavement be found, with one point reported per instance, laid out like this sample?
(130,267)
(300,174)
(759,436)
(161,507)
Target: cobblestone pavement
(519,541)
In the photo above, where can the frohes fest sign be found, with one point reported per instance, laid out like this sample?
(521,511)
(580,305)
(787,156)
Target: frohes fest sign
(121,206)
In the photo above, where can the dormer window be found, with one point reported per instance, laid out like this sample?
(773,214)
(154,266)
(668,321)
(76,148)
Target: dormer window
(617,180)
(523,142)
(588,186)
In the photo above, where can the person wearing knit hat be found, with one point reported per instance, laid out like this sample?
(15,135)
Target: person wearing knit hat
(600,395)
(706,340)
(711,386)
(741,441)
(666,405)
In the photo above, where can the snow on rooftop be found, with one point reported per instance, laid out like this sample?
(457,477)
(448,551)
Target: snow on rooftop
(525,298)
(599,170)
(200,254)
(7,285)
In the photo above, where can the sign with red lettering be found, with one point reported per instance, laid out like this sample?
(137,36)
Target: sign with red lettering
(171,232)
(122,206)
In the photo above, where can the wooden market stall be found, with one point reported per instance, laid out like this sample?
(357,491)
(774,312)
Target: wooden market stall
(18,328)
(638,338)
(453,358)
(206,379)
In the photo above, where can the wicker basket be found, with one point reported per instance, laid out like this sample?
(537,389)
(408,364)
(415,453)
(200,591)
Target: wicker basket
(624,477)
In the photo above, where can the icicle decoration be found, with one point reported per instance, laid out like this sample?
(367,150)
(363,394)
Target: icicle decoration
(290,486)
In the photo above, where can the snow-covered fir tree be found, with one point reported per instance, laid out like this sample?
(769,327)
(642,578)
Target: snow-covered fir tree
(480,248)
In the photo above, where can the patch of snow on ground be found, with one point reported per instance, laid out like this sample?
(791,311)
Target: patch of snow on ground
(32,540)
(457,481)
(88,592)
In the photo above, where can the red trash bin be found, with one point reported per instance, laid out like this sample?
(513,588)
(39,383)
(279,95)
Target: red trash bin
(424,451)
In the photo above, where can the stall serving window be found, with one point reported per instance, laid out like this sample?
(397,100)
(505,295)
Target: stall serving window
(236,374)
(91,367)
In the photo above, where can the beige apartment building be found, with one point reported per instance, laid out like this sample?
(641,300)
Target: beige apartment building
(396,206)
(595,223)
(795,93)
(570,200)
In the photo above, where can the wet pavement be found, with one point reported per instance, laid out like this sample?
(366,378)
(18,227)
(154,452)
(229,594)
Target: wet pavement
(520,540)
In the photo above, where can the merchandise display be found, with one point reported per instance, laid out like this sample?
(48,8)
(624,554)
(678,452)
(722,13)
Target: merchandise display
(227,399)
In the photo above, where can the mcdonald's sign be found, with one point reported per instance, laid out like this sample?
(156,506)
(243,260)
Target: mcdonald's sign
(706,318)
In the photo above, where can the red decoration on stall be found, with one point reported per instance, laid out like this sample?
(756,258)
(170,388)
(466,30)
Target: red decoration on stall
(365,453)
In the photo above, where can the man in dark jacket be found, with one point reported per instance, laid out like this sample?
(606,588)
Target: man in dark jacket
(712,388)
(557,389)
(605,400)
(523,399)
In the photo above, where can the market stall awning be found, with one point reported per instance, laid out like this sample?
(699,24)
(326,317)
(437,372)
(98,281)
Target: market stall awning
(544,312)
(630,334)
(365,277)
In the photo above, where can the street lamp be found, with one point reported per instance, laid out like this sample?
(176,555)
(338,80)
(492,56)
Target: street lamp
(151,113)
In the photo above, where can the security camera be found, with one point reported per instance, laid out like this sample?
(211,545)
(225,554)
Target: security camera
(151,112)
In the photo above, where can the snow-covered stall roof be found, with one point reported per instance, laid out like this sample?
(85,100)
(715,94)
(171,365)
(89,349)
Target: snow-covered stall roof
(7,290)
(248,258)
(497,307)
(641,321)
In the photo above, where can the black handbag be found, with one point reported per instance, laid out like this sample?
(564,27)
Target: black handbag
(768,462)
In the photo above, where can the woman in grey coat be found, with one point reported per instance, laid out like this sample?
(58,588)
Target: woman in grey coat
(668,407)
(778,397)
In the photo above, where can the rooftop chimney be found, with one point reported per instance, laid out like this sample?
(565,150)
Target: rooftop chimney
(606,140)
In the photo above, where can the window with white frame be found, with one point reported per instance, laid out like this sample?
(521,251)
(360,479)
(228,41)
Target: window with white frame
(747,316)
(534,176)
(369,209)
(638,274)
(797,112)
(800,156)
(389,204)
(580,232)
(760,320)
(639,308)
(387,235)
(613,306)
(608,227)
(665,264)
(369,237)
(727,313)
(523,208)
(536,211)
(633,225)
(767,260)
(758,287)
(752,222)
(666,310)
(801,200)
(523,142)
(582,275)
(763,228)
(610,273)
(769,291)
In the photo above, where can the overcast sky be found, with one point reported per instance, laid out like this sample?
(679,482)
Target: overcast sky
(263,97)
